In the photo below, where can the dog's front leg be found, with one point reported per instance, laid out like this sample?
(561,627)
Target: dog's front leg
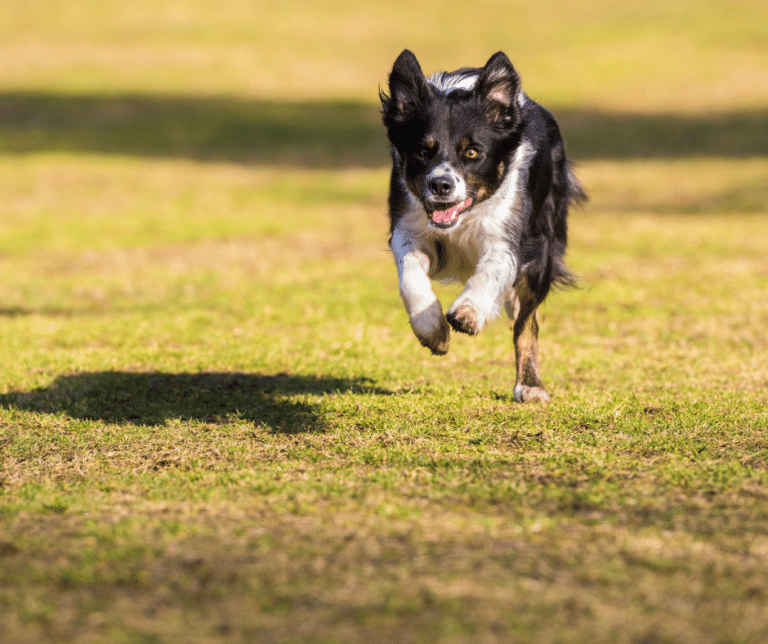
(424,310)
(481,296)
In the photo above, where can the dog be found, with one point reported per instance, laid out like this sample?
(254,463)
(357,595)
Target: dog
(479,193)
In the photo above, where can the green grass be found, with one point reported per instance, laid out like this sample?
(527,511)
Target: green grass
(215,423)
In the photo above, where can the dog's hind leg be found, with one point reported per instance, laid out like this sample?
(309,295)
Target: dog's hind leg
(522,307)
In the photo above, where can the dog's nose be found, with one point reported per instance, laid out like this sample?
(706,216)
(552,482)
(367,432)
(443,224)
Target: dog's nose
(441,186)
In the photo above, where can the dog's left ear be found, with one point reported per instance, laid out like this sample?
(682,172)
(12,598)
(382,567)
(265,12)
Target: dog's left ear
(498,85)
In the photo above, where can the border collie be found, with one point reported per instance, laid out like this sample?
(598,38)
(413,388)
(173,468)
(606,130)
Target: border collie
(479,193)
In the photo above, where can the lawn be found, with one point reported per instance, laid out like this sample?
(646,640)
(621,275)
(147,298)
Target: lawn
(215,423)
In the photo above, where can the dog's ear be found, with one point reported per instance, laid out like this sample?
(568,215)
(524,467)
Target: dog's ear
(408,90)
(498,86)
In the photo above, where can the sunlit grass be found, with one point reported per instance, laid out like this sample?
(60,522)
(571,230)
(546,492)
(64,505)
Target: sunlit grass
(215,422)
(236,423)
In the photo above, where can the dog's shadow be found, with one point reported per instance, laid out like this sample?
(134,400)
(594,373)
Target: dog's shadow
(283,402)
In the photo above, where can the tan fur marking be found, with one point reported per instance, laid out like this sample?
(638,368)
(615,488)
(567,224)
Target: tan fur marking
(522,309)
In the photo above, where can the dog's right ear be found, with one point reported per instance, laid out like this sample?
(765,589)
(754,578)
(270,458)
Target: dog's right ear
(408,90)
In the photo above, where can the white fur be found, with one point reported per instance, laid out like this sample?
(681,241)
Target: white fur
(478,251)
(412,269)
(447,83)
(459,185)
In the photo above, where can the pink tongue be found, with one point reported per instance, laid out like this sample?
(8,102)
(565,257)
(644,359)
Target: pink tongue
(447,216)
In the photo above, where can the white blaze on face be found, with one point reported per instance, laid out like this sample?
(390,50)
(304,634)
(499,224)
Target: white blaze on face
(446,171)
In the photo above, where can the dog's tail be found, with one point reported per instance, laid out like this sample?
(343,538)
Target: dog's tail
(575,194)
(556,274)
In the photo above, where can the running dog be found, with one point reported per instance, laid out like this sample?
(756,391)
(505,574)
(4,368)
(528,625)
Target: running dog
(479,193)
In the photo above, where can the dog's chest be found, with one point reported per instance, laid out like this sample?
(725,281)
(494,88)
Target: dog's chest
(455,255)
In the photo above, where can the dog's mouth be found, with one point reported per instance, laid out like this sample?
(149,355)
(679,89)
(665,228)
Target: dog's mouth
(448,217)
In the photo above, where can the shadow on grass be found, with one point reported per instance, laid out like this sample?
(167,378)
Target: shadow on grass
(322,134)
(284,403)
(326,133)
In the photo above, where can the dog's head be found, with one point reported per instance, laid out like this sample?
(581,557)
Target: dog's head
(453,132)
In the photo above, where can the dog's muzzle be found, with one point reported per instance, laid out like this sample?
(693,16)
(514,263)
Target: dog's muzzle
(445,196)
(448,217)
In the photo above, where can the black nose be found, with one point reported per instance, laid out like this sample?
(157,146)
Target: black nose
(441,186)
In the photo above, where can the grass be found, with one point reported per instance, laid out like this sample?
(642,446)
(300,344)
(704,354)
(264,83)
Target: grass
(215,423)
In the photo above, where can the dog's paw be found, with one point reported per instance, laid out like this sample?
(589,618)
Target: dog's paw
(526,393)
(432,329)
(438,344)
(465,319)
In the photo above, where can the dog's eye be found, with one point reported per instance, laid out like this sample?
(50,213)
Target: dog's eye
(471,154)
(423,152)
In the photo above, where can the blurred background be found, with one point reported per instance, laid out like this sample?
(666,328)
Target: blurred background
(154,123)
(275,82)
